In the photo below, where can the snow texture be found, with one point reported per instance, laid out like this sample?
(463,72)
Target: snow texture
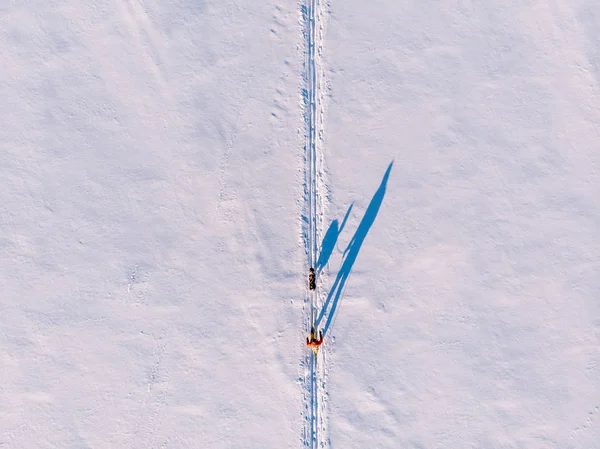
(154,237)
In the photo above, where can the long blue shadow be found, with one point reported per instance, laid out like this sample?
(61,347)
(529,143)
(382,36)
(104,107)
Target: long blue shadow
(330,239)
(351,252)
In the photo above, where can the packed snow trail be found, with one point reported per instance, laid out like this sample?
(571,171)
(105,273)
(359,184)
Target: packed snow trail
(314,371)
(311,440)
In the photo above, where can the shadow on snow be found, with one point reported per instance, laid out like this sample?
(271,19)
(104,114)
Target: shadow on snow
(329,241)
(351,251)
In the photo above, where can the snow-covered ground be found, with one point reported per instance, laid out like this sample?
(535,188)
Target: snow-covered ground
(152,247)
(472,316)
(151,173)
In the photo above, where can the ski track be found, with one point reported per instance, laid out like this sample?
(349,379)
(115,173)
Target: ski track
(315,429)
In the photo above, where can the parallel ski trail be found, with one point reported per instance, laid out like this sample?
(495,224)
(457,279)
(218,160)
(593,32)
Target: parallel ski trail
(314,431)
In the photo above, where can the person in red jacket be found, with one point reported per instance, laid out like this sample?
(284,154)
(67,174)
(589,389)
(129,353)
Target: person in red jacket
(313,342)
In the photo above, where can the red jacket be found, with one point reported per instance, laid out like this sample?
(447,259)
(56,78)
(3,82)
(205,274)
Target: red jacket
(314,342)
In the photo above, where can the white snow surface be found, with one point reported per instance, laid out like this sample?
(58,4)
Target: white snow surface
(152,251)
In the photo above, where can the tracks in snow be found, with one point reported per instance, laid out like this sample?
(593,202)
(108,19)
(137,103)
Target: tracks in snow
(315,429)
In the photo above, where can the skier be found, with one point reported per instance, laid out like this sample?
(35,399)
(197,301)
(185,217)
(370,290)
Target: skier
(311,279)
(312,341)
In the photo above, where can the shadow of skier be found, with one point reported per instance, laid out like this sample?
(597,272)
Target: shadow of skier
(329,241)
(351,252)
